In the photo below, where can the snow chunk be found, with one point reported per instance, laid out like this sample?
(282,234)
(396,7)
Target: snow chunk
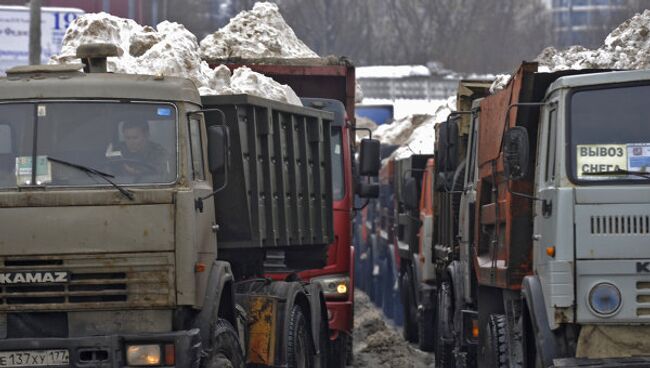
(168,50)
(626,47)
(249,82)
(259,33)
(500,82)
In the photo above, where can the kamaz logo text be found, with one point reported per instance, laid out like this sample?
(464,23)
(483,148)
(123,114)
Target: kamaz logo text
(33,277)
(643,267)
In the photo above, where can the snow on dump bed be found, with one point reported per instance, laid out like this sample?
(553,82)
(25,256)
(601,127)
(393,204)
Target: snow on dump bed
(169,50)
(626,47)
(258,33)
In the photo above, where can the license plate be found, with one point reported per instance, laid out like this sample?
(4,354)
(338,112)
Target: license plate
(34,358)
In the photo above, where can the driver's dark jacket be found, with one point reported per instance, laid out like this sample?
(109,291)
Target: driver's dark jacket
(152,154)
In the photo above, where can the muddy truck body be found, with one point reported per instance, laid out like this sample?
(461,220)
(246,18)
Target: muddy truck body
(327,84)
(548,268)
(137,218)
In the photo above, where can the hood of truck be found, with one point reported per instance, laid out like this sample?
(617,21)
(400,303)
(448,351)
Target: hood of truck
(613,222)
(85,222)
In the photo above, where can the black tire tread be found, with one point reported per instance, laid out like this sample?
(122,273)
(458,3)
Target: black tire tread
(298,325)
(225,341)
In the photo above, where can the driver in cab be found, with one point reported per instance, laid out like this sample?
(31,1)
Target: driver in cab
(140,155)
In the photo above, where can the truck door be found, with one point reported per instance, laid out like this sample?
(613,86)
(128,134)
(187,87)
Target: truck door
(206,240)
(551,250)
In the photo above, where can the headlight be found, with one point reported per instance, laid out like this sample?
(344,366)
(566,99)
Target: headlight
(334,286)
(605,299)
(143,355)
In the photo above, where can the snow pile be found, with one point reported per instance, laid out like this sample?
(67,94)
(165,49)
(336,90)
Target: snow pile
(259,33)
(500,82)
(378,343)
(626,47)
(422,138)
(392,71)
(246,81)
(168,50)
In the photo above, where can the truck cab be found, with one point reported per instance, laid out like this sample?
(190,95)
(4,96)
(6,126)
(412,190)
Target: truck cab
(116,191)
(591,220)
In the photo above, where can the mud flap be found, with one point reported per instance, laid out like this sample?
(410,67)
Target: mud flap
(545,340)
(318,311)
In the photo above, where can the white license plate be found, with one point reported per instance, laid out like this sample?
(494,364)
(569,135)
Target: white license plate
(34,358)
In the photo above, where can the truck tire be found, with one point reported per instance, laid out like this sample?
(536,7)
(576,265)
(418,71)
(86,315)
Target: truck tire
(338,351)
(496,342)
(410,329)
(300,352)
(426,330)
(445,339)
(225,350)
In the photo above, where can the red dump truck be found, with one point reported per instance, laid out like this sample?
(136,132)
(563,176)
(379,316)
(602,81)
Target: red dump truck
(327,84)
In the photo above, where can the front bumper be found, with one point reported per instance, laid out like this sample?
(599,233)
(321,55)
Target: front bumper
(109,351)
(633,362)
(341,313)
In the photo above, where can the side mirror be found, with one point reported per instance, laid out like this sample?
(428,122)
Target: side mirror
(410,194)
(447,153)
(369,161)
(368,190)
(515,153)
(218,148)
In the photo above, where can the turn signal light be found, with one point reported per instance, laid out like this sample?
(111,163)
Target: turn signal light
(550,251)
(170,354)
(475,329)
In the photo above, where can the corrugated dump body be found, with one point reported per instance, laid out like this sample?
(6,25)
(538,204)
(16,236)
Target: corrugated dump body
(279,191)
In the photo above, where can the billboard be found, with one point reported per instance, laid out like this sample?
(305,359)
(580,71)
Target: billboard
(14,33)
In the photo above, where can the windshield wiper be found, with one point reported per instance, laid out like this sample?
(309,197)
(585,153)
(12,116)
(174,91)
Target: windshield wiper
(642,174)
(89,170)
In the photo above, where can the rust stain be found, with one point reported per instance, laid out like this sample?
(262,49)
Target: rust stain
(145,233)
(262,314)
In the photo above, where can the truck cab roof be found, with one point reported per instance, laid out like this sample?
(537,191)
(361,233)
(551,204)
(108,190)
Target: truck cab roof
(68,82)
(599,78)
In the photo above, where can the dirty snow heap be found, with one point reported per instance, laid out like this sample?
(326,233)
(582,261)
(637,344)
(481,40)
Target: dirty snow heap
(626,47)
(415,134)
(168,50)
(257,33)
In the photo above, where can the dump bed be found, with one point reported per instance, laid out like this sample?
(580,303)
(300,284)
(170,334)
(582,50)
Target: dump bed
(329,77)
(279,191)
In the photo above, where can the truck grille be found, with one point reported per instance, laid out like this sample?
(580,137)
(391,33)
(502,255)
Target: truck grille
(112,281)
(643,299)
(620,225)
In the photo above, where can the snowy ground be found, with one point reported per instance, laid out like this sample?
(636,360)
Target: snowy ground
(379,344)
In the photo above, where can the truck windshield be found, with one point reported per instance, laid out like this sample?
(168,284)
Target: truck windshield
(610,134)
(133,143)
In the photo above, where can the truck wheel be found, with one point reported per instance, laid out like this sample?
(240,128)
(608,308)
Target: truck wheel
(225,351)
(426,330)
(388,302)
(496,343)
(410,330)
(338,351)
(349,353)
(300,353)
(445,340)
